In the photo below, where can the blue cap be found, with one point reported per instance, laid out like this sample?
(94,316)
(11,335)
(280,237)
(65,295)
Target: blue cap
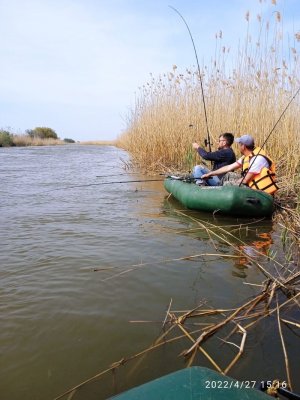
(247,140)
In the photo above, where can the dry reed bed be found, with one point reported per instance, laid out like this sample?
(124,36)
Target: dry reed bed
(277,297)
(168,114)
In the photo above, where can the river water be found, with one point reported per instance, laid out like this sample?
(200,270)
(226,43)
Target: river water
(82,260)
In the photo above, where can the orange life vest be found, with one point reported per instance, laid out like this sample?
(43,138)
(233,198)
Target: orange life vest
(266,179)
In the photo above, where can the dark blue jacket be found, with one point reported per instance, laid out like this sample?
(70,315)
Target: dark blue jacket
(220,158)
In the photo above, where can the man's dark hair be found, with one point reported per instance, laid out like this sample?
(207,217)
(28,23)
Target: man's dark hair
(228,137)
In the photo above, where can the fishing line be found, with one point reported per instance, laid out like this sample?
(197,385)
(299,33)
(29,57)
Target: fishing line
(98,184)
(272,130)
(121,174)
(280,118)
(207,141)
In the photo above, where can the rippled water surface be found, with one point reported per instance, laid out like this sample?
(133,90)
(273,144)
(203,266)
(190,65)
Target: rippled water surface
(81,259)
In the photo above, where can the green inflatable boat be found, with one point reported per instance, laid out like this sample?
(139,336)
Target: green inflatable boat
(194,383)
(231,200)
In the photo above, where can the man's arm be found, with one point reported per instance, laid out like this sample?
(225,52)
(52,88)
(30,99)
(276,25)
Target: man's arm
(222,170)
(211,156)
(247,178)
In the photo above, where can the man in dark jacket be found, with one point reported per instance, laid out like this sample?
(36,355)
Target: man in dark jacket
(223,156)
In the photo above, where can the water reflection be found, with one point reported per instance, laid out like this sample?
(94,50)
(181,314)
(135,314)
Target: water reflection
(247,240)
(255,250)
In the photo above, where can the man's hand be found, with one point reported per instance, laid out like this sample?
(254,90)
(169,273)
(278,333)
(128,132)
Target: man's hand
(206,176)
(196,146)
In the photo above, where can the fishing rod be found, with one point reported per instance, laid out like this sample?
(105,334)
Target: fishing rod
(136,181)
(129,173)
(272,130)
(107,183)
(182,178)
(206,141)
(283,112)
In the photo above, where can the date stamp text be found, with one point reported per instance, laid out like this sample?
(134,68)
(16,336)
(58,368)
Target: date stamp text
(230,384)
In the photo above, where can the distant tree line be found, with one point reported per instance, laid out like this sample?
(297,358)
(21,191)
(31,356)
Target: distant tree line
(5,138)
(69,140)
(40,132)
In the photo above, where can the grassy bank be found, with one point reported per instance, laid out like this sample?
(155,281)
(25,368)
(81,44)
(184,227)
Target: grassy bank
(245,92)
(23,140)
(10,139)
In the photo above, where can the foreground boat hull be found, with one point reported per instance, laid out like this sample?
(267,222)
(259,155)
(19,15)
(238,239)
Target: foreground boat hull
(231,200)
(194,383)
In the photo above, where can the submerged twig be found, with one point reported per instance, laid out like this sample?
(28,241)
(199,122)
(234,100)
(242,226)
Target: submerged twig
(241,349)
(213,329)
(167,314)
(286,360)
(290,323)
(200,349)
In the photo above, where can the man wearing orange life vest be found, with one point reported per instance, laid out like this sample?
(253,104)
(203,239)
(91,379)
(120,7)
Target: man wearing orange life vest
(258,170)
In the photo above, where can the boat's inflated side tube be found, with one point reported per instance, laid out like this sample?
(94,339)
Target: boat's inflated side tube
(231,200)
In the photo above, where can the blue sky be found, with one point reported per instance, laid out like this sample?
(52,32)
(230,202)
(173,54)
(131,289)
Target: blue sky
(76,65)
